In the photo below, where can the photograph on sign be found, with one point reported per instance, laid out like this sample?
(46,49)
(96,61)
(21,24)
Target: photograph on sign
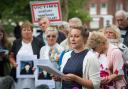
(41,76)
(25,67)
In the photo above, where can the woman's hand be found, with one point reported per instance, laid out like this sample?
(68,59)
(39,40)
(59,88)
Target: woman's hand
(14,65)
(105,80)
(56,78)
(70,77)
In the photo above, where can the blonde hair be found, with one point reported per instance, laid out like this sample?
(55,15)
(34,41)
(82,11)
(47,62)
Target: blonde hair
(96,39)
(115,30)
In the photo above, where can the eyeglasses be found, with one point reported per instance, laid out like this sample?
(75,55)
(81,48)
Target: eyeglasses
(119,19)
(53,36)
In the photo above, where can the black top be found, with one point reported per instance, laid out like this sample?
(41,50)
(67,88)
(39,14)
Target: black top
(40,39)
(61,37)
(17,32)
(126,38)
(74,65)
(4,62)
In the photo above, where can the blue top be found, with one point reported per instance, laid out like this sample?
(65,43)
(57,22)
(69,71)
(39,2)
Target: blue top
(75,66)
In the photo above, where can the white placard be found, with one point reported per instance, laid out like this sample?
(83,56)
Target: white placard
(51,9)
(41,76)
(24,63)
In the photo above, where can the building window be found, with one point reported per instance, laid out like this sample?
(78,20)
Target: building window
(104,9)
(119,6)
(94,24)
(93,9)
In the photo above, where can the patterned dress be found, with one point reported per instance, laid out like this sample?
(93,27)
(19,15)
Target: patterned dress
(112,64)
(104,72)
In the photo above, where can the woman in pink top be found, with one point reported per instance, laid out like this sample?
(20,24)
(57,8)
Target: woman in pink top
(114,57)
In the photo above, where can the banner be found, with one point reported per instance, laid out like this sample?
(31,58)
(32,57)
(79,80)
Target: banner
(51,9)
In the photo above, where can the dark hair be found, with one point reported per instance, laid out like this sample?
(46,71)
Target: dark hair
(7,82)
(43,86)
(84,32)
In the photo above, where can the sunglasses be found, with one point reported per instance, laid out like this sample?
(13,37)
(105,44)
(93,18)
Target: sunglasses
(53,36)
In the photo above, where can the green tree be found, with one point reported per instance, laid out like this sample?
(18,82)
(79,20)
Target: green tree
(71,8)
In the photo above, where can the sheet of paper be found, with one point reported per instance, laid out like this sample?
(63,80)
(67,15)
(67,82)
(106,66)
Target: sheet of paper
(49,82)
(4,51)
(51,70)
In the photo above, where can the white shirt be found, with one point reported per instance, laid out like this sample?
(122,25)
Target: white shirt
(26,49)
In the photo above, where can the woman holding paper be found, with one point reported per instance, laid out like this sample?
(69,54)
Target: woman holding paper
(52,50)
(26,46)
(80,66)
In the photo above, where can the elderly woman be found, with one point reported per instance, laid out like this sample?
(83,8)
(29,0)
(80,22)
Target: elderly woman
(114,58)
(113,35)
(99,45)
(52,49)
(27,46)
(80,66)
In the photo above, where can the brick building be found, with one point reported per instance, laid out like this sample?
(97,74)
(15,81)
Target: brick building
(103,11)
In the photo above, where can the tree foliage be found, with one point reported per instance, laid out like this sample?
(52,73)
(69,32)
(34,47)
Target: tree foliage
(19,10)
(75,9)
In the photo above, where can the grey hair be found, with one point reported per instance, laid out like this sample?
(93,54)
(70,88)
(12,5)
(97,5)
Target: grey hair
(43,17)
(121,13)
(77,21)
(52,29)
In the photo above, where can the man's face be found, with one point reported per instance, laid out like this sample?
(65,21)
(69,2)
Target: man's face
(121,21)
(44,24)
(27,67)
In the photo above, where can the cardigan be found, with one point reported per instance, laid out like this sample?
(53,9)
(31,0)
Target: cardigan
(91,67)
(18,43)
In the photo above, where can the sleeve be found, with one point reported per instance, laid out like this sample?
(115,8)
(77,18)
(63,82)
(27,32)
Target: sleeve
(13,47)
(41,53)
(118,62)
(13,50)
(94,72)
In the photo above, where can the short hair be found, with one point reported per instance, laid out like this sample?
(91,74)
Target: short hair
(96,39)
(84,32)
(44,17)
(43,86)
(52,29)
(27,24)
(121,13)
(77,21)
(65,25)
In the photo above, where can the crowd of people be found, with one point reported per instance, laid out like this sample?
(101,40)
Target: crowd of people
(88,60)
